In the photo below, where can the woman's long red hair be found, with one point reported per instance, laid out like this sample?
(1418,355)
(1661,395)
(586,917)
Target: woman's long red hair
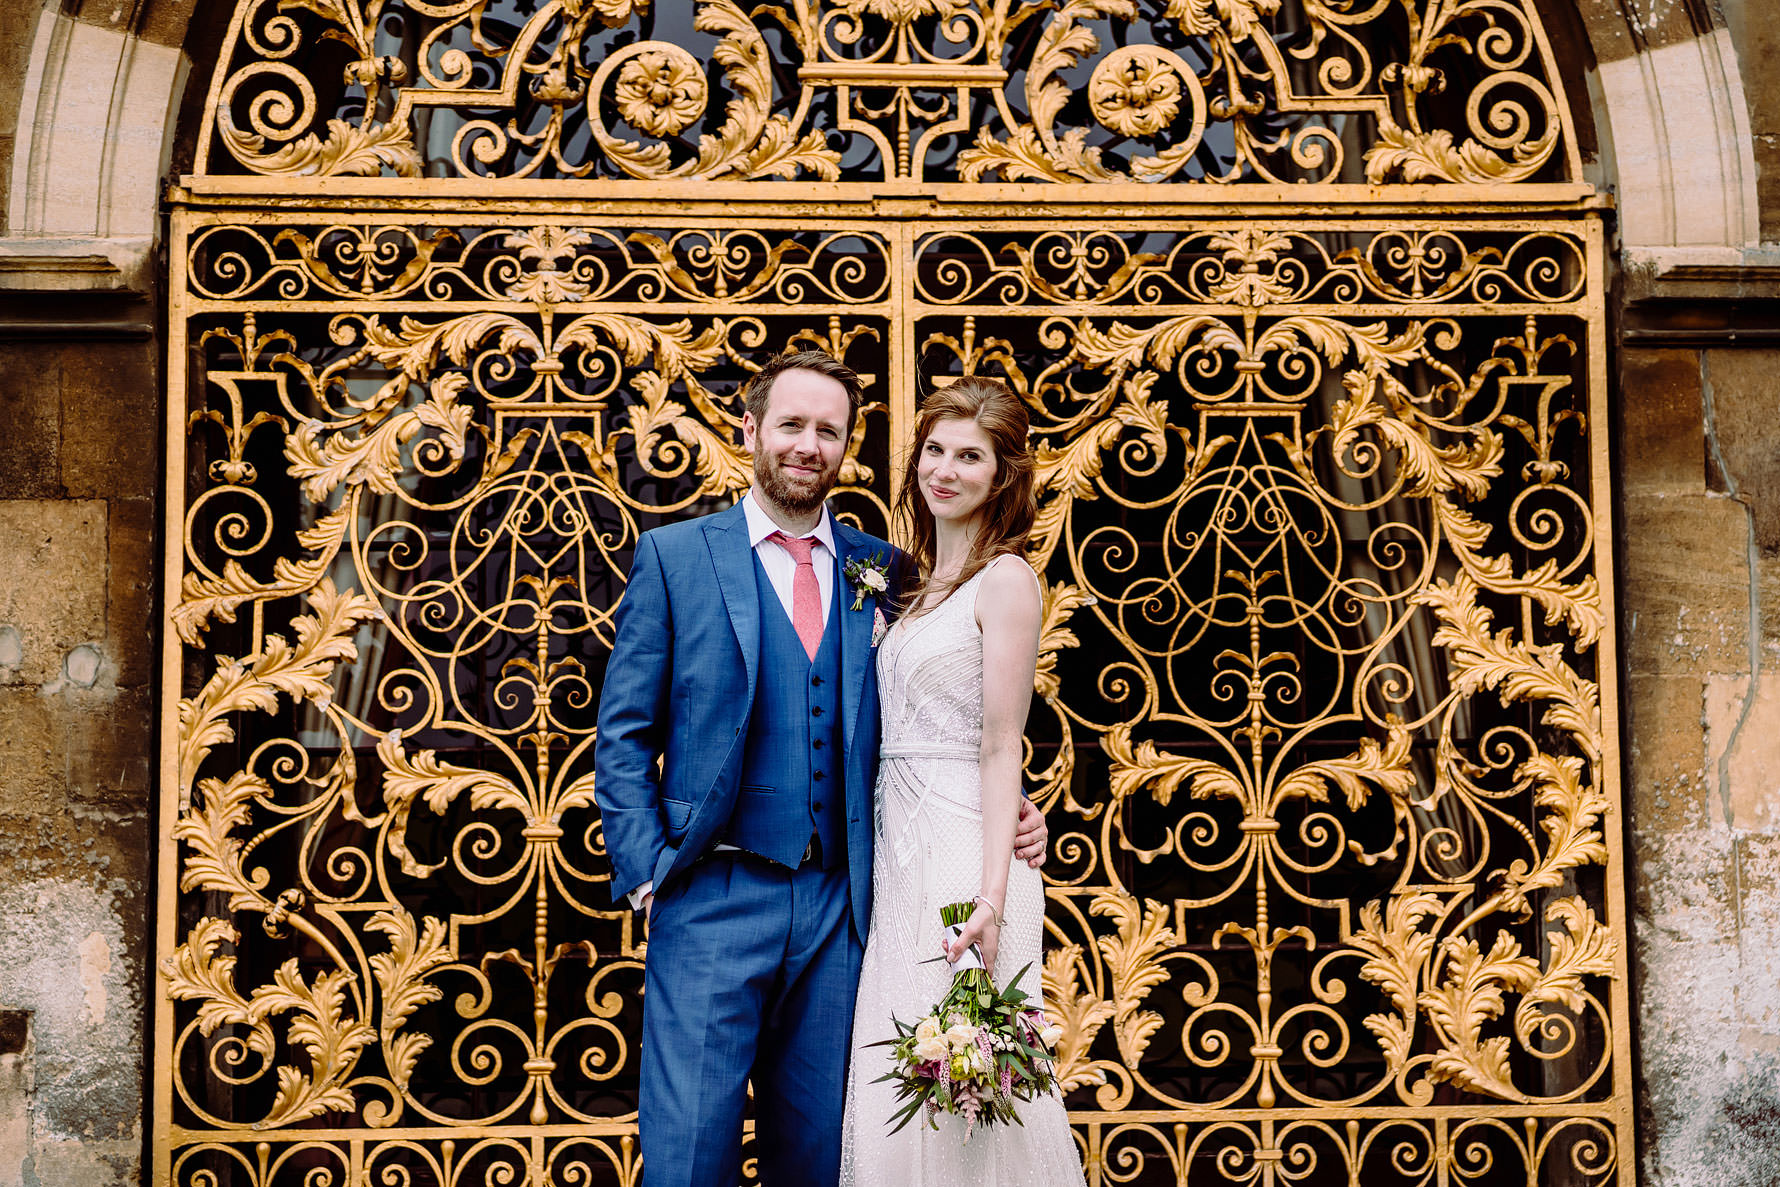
(1008,512)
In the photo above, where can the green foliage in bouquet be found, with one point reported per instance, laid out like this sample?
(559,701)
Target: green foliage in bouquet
(978,1053)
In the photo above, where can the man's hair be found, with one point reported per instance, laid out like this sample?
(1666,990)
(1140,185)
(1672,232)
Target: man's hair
(759,389)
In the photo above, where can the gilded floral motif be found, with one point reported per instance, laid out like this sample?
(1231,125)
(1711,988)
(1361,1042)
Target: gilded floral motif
(903,11)
(659,94)
(1138,98)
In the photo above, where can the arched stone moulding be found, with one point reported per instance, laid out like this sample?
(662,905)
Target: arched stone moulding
(1673,117)
(98,105)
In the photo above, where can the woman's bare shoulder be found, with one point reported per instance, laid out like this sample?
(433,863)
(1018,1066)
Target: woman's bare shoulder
(1010,589)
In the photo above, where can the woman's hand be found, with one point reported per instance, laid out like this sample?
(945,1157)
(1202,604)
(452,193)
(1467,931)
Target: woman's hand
(980,929)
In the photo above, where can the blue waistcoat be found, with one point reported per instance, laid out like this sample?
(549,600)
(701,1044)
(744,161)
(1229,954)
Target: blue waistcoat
(792,785)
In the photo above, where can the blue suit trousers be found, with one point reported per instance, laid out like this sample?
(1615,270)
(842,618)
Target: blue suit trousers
(751,973)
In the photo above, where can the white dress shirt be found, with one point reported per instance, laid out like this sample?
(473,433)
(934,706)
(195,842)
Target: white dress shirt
(778,563)
(780,569)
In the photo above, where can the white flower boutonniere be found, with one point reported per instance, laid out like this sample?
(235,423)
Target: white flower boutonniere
(868,578)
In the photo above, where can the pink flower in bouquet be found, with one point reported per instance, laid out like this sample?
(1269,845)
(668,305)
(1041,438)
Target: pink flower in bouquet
(969,1106)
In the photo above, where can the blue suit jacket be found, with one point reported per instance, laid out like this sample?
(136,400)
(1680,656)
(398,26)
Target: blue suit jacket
(680,687)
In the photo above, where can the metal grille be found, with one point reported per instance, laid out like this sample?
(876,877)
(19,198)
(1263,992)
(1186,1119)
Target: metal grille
(462,298)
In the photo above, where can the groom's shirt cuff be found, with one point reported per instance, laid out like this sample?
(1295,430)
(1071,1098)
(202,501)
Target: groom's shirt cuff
(642,892)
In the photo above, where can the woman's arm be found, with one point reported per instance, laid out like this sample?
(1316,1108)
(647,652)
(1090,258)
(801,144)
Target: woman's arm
(1009,613)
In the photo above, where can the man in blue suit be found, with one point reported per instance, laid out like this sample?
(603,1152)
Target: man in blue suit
(736,758)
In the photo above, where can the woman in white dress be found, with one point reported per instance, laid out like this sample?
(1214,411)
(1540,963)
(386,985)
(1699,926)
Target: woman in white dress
(954,679)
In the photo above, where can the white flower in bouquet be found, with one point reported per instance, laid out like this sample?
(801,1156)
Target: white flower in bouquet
(931,1050)
(961,1036)
(1051,1034)
(929,1028)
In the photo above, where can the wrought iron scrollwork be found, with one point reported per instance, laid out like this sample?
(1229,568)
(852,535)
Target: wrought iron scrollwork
(1086,92)
(463,295)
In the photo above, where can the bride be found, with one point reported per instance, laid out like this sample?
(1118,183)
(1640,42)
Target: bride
(955,678)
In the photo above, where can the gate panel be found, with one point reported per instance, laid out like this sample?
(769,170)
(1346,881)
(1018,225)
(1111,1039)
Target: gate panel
(1319,696)
(423,452)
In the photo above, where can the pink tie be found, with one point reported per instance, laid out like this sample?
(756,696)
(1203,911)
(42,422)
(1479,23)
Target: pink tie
(806,598)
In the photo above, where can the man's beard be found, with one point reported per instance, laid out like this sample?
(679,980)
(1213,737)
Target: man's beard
(795,496)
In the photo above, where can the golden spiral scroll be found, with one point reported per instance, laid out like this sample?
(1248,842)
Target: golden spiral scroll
(462,298)
(944,92)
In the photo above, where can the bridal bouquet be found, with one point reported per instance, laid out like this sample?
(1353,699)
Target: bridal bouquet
(976,1054)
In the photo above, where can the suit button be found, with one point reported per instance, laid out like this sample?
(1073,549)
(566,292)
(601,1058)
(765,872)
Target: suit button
(818,777)
(815,682)
(816,712)
(816,744)
(817,805)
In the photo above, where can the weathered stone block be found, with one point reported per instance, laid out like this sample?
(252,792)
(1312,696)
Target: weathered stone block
(167,23)
(52,582)
(75,745)
(15,1118)
(1665,743)
(83,841)
(1745,434)
(129,590)
(1743,748)
(1758,909)
(1684,882)
(1664,443)
(72,964)
(31,410)
(107,741)
(30,741)
(110,434)
(1767,184)
(1685,597)
(17,22)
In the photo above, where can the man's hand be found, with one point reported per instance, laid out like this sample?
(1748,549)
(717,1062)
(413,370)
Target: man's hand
(648,910)
(1030,835)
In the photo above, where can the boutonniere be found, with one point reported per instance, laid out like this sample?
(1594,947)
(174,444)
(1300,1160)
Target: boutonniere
(868,578)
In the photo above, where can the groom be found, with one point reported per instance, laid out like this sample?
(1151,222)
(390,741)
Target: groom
(736,757)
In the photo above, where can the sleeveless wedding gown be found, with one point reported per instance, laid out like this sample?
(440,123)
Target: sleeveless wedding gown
(927,852)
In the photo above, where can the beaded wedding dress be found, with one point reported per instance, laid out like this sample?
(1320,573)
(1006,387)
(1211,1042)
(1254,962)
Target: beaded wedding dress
(927,851)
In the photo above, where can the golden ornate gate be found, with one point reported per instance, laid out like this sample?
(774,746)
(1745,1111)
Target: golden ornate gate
(1306,298)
